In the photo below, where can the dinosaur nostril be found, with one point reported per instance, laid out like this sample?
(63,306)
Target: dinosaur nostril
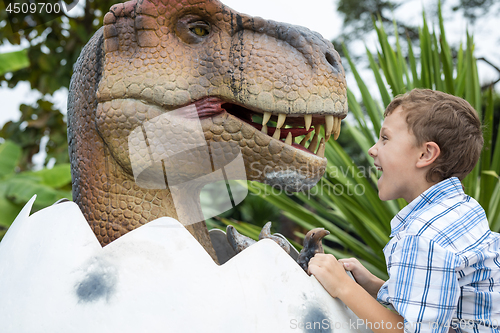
(332,61)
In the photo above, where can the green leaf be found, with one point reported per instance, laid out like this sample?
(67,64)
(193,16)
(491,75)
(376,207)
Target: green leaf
(425,58)
(493,213)
(386,99)
(8,208)
(436,64)
(13,61)
(446,55)
(371,106)
(246,229)
(21,189)
(360,117)
(461,73)
(10,153)
(413,65)
(57,177)
(495,162)
(487,186)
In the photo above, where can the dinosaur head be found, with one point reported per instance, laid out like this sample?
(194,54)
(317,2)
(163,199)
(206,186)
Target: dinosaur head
(272,91)
(254,83)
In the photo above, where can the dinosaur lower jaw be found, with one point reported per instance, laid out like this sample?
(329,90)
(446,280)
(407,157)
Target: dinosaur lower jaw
(287,128)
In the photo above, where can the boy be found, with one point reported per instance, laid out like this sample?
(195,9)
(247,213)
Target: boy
(442,259)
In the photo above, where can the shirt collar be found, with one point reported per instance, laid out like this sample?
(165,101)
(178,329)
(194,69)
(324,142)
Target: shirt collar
(447,188)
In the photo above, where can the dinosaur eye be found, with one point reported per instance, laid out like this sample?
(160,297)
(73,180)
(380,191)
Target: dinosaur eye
(200,31)
(193,29)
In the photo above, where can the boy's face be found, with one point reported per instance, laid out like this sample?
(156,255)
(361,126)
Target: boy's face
(396,155)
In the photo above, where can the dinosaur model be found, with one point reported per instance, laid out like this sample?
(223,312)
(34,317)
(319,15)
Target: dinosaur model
(256,85)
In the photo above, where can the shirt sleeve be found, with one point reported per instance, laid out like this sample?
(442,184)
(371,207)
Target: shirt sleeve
(423,285)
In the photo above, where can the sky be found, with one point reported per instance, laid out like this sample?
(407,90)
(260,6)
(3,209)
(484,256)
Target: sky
(317,15)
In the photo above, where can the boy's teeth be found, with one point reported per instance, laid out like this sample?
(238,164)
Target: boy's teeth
(281,120)
(289,139)
(266,117)
(308,121)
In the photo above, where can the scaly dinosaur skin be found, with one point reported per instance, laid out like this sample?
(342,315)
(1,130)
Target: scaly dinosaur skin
(155,56)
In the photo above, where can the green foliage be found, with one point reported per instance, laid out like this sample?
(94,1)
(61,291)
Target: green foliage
(13,61)
(357,13)
(17,188)
(345,201)
(253,208)
(248,229)
(35,123)
(52,50)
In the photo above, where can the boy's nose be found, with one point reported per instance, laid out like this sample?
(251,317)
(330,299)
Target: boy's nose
(372,151)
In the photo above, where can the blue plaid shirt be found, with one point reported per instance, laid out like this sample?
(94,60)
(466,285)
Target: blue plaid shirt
(443,263)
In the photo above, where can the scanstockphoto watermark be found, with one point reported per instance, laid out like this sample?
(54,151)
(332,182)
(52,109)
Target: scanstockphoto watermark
(462,324)
(327,324)
(345,181)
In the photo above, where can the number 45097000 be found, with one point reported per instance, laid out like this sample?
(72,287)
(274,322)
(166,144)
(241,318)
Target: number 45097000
(32,8)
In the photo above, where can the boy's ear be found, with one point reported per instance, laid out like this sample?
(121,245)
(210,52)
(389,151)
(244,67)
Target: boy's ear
(430,151)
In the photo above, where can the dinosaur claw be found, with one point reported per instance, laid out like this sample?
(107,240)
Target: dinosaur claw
(312,245)
(266,231)
(238,241)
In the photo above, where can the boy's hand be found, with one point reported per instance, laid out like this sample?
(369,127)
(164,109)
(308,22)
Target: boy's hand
(363,277)
(332,276)
(329,272)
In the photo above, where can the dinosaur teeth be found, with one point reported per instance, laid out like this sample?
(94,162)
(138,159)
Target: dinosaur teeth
(336,130)
(266,117)
(332,127)
(281,120)
(314,142)
(308,121)
(329,125)
(277,134)
(321,149)
(305,139)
